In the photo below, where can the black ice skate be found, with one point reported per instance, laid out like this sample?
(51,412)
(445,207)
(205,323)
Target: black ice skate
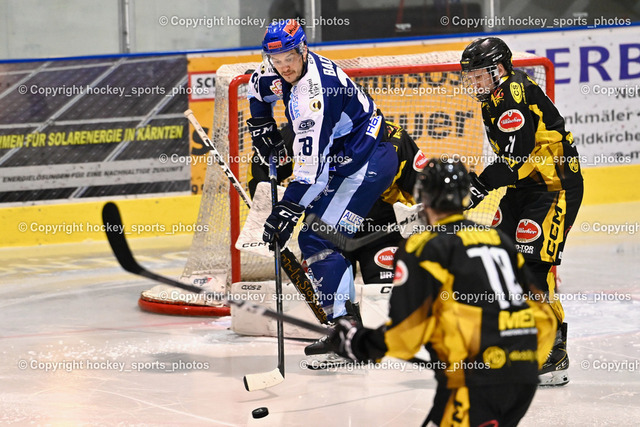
(324,345)
(555,371)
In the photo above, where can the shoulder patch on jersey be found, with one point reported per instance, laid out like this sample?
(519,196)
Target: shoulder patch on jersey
(276,87)
(420,161)
(384,257)
(315,105)
(516,91)
(497,96)
(527,231)
(400,274)
(511,120)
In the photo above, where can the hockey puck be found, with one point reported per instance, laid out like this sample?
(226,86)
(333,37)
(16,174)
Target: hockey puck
(260,412)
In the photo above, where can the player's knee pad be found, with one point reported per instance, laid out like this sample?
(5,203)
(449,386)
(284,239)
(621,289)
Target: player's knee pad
(312,244)
(333,277)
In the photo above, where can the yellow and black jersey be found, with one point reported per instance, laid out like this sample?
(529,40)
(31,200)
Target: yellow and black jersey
(458,290)
(528,134)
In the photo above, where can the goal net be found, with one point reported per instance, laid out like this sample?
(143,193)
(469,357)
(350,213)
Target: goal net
(421,92)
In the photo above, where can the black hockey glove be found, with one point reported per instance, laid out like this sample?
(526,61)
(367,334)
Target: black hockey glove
(280,223)
(477,190)
(266,138)
(345,339)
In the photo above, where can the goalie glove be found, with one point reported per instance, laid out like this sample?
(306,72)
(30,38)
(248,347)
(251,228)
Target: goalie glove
(477,190)
(267,140)
(280,223)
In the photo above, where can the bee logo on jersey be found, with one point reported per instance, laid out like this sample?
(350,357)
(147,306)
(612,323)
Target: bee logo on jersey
(511,121)
(516,92)
(527,231)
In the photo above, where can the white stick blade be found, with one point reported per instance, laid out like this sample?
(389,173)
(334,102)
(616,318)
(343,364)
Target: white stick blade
(260,381)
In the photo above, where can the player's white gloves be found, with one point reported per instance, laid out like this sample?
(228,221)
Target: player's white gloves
(280,223)
(267,139)
(478,191)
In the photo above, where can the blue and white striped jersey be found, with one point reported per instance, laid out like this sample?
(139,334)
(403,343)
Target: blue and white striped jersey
(336,124)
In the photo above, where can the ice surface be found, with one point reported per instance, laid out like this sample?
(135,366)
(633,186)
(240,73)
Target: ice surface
(72,307)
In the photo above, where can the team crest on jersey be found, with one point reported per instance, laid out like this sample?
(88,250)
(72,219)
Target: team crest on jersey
(384,257)
(574,164)
(400,274)
(315,105)
(419,161)
(516,92)
(276,87)
(511,120)
(497,97)
(494,357)
(527,231)
(497,218)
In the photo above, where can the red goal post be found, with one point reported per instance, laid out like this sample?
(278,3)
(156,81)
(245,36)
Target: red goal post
(444,121)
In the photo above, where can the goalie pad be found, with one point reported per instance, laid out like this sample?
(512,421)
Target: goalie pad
(408,219)
(373,300)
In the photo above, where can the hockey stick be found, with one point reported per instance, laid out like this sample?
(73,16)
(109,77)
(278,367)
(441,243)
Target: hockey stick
(333,235)
(289,262)
(118,242)
(254,381)
(350,244)
(116,236)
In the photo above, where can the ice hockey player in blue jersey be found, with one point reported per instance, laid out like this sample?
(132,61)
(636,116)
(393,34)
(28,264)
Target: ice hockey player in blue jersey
(341,164)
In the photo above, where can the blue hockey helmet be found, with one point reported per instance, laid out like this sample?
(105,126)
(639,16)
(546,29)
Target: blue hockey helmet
(283,36)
